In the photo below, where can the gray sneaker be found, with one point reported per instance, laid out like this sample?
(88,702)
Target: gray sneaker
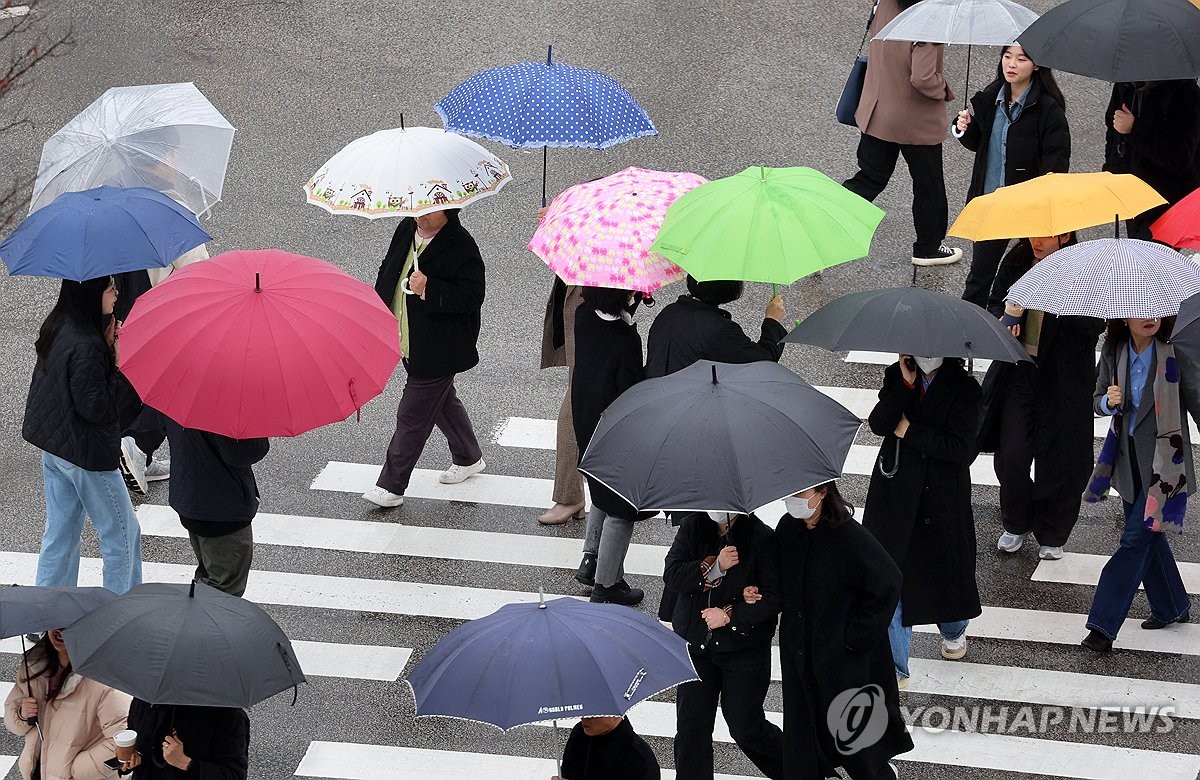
(1010,543)
(158,470)
(133,466)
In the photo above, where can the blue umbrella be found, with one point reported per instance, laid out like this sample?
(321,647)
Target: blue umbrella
(100,232)
(533,104)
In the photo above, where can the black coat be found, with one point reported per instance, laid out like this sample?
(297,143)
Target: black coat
(751,625)
(443,327)
(1163,149)
(618,755)
(217,739)
(840,588)
(922,515)
(1038,142)
(690,330)
(211,478)
(71,409)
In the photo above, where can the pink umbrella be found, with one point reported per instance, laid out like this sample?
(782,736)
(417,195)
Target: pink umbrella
(598,234)
(259,343)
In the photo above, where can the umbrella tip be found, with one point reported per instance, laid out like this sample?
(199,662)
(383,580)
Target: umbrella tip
(714,373)
(192,590)
(257,287)
(549,52)
(541,597)
(401,120)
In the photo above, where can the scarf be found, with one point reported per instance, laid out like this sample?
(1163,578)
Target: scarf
(1166,495)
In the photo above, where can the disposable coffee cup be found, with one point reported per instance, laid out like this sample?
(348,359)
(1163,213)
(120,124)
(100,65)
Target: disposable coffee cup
(125,741)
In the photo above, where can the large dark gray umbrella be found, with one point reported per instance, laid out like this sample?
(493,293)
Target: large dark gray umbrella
(184,644)
(1118,40)
(719,436)
(911,321)
(1186,337)
(31,610)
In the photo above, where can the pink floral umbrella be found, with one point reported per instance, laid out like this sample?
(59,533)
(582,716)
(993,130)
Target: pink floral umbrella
(598,234)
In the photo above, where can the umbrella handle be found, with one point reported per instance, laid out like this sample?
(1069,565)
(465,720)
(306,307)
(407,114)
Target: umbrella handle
(895,466)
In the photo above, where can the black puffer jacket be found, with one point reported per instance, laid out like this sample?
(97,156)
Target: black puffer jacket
(71,410)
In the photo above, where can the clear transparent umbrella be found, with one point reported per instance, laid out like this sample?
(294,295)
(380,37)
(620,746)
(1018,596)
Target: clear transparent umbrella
(167,137)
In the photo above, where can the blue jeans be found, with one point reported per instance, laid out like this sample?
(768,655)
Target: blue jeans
(900,638)
(1145,558)
(71,493)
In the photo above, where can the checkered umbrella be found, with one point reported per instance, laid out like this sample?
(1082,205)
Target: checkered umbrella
(1110,278)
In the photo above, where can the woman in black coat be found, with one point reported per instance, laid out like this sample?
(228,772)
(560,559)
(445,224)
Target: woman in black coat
(840,589)
(197,743)
(608,361)
(1154,133)
(1041,412)
(714,558)
(1018,131)
(919,502)
(433,279)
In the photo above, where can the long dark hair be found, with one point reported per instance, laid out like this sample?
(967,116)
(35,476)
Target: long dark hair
(1042,76)
(43,658)
(835,509)
(1116,332)
(78,302)
(609,300)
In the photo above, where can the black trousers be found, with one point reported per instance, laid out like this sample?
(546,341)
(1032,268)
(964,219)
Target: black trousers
(985,259)
(877,162)
(739,680)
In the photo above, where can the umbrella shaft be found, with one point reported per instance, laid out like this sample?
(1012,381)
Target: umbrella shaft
(545,155)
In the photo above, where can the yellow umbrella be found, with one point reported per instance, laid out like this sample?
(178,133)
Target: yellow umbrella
(1053,204)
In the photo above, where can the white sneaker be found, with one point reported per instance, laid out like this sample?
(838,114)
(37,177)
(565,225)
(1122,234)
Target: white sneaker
(1010,543)
(457,473)
(133,466)
(901,682)
(1050,553)
(158,470)
(943,255)
(954,649)
(384,498)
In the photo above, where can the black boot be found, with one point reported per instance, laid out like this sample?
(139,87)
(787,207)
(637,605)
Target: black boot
(619,593)
(586,573)
(1097,642)
(1153,624)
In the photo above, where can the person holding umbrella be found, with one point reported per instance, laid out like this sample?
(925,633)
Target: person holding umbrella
(1018,131)
(919,501)
(71,415)
(177,741)
(604,747)
(68,721)
(433,278)
(1147,388)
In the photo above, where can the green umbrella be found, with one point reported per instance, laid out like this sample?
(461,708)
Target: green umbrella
(767,225)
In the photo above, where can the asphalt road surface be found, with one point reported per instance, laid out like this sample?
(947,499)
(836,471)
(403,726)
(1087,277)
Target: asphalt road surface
(729,85)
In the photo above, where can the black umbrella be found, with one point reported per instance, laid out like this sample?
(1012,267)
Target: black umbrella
(911,321)
(1118,40)
(719,436)
(1186,336)
(184,644)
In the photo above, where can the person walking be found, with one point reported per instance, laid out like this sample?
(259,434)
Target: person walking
(902,112)
(216,497)
(839,591)
(558,349)
(433,279)
(1041,412)
(68,721)
(71,416)
(715,557)
(1018,131)
(178,741)
(608,361)
(1147,389)
(1153,132)
(919,500)
(604,748)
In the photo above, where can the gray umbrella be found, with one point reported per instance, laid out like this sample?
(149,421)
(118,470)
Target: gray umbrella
(910,321)
(719,436)
(184,644)
(30,610)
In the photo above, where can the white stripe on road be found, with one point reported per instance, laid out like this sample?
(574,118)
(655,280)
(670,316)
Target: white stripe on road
(1082,569)
(351,761)
(479,489)
(13,12)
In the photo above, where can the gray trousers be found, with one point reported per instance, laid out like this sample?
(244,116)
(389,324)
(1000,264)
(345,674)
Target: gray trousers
(426,403)
(224,561)
(607,538)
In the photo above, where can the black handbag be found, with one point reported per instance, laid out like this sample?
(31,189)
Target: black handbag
(852,92)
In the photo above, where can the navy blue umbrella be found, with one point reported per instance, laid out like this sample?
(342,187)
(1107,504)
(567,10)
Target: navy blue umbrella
(100,232)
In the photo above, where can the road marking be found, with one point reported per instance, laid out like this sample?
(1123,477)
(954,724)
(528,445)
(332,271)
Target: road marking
(1082,569)
(479,489)
(14,11)
(887,358)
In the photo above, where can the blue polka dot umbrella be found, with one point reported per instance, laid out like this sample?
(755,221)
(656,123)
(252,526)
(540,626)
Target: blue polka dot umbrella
(532,104)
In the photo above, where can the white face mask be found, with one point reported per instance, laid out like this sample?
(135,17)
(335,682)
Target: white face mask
(799,508)
(927,364)
(720,518)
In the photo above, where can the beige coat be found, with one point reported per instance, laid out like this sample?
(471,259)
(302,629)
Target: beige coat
(561,356)
(905,93)
(78,727)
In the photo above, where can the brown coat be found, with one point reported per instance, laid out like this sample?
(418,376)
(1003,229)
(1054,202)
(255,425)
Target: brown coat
(905,92)
(552,356)
(78,727)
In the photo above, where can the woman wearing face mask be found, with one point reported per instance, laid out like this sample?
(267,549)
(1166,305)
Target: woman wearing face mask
(1018,131)
(1041,412)
(715,557)
(840,589)
(608,361)
(919,502)
(71,416)
(1148,390)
